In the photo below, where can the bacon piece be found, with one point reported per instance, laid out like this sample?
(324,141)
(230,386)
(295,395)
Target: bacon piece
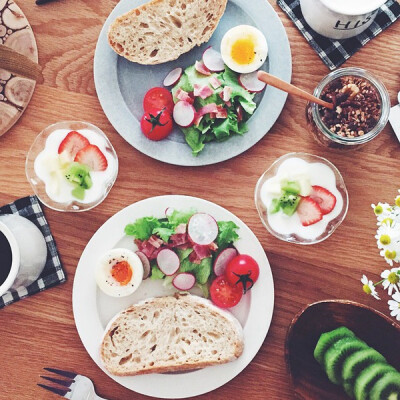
(184,96)
(221,112)
(197,119)
(201,68)
(202,91)
(213,246)
(207,109)
(226,93)
(239,111)
(202,251)
(215,82)
(155,241)
(181,228)
(178,239)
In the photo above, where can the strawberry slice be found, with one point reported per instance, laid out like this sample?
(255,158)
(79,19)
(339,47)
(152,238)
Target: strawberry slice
(309,211)
(92,156)
(72,143)
(325,199)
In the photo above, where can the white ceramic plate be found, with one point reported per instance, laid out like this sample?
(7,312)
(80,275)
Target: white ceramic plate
(121,85)
(93,309)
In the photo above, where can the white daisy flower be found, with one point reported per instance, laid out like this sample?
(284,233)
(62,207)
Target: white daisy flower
(394,306)
(381,210)
(369,288)
(388,235)
(391,280)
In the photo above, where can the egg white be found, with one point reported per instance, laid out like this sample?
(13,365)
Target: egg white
(107,283)
(260,48)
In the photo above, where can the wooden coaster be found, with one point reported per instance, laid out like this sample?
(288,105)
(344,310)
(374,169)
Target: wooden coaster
(15,92)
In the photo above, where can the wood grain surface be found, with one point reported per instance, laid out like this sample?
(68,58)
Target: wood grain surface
(39,331)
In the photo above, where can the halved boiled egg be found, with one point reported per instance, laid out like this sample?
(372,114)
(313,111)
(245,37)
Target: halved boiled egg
(120,272)
(244,49)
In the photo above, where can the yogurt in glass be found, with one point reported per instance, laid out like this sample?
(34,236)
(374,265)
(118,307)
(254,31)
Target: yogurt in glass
(300,167)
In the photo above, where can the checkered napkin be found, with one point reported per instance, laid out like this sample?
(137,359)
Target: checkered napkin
(335,52)
(53,273)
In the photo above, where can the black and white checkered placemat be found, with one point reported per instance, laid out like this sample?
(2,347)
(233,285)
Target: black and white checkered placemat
(335,52)
(53,273)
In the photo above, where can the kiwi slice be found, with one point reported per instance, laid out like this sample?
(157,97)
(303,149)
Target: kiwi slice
(327,339)
(78,193)
(292,187)
(275,206)
(387,387)
(368,377)
(289,203)
(338,353)
(354,364)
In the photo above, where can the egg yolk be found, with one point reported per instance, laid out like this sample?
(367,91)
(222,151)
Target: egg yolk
(243,51)
(122,272)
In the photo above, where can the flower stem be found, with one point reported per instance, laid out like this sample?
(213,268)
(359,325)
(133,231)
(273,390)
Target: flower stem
(378,283)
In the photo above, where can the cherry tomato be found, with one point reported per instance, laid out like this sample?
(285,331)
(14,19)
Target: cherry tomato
(158,98)
(223,294)
(242,271)
(156,124)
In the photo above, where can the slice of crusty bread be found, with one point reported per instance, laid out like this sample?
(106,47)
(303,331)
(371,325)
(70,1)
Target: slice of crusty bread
(172,333)
(162,30)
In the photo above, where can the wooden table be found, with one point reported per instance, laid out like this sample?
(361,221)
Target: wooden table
(39,331)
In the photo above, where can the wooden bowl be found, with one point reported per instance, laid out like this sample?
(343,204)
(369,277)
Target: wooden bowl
(308,379)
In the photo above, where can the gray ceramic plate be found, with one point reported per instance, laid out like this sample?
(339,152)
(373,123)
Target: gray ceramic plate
(121,85)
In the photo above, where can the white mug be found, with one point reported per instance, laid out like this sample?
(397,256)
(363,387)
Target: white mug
(28,251)
(340,19)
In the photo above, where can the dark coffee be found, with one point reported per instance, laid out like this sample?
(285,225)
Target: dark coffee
(5,258)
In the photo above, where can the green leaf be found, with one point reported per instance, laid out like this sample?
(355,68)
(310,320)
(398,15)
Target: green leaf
(163,233)
(194,138)
(226,234)
(156,273)
(187,266)
(203,271)
(180,217)
(142,228)
(183,253)
(204,289)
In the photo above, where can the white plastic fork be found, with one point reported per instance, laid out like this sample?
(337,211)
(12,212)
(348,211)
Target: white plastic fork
(76,387)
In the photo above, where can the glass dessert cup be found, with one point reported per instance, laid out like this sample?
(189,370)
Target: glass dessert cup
(294,237)
(39,186)
(321,132)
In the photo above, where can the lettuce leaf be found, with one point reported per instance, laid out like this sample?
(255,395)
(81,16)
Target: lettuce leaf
(142,228)
(156,273)
(180,217)
(201,271)
(226,234)
(163,232)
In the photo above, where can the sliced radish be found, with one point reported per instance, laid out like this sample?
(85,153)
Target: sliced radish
(168,261)
(202,228)
(212,60)
(223,259)
(184,113)
(173,77)
(201,68)
(251,83)
(146,264)
(168,211)
(184,281)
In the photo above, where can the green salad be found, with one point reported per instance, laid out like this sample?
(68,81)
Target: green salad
(176,233)
(233,110)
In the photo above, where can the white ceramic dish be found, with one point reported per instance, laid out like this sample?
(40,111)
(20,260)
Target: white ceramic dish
(93,309)
(121,85)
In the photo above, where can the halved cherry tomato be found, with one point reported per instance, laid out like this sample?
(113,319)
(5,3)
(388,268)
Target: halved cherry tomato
(158,98)
(223,294)
(242,271)
(156,124)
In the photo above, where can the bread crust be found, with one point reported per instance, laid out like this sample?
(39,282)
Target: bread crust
(185,299)
(162,30)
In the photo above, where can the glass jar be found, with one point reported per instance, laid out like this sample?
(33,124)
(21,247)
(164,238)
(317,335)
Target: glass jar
(324,135)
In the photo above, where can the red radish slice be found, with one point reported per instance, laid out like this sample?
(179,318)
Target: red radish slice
(184,113)
(202,228)
(146,264)
(184,281)
(168,211)
(168,261)
(223,259)
(212,60)
(251,83)
(201,68)
(173,77)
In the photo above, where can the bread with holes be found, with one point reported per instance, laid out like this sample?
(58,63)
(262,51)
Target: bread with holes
(162,30)
(172,333)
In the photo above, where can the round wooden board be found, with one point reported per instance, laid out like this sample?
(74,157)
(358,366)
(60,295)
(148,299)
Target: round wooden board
(15,92)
